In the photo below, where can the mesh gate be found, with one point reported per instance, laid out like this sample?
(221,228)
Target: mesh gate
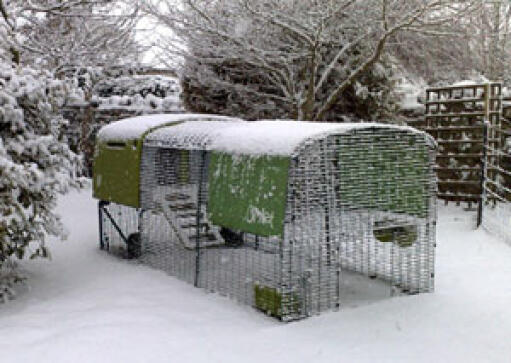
(358,203)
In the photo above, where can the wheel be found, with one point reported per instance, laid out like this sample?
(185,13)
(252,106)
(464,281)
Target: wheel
(134,245)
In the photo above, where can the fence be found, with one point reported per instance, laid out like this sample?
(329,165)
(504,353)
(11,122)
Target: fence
(473,132)
(455,117)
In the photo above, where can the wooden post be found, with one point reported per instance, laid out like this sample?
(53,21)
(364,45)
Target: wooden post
(484,165)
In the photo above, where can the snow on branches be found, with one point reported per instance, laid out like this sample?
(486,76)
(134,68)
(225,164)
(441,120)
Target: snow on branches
(60,35)
(36,163)
(301,59)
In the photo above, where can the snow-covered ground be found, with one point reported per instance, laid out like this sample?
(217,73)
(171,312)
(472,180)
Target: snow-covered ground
(88,306)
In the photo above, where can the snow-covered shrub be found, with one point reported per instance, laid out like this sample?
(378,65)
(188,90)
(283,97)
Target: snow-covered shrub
(36,164)
(138,92)
(159,86)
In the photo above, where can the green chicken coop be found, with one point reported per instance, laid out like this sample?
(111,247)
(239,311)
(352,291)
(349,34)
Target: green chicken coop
(274,214)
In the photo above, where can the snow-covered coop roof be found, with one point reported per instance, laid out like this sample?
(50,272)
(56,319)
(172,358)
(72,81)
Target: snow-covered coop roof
(135,127)
(195,134)
(258,137)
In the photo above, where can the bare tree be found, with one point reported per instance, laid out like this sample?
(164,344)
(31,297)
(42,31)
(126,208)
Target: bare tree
(488,33)
(478,43)
(306,54)
(57,35)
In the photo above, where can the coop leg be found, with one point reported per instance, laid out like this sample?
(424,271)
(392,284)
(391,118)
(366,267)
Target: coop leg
(483,174)
(101,205)
(198,217)
(139,228)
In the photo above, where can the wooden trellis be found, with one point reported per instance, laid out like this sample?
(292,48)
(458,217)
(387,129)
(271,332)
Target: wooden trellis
(455,117)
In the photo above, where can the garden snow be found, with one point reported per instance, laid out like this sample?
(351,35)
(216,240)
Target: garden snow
(88,306)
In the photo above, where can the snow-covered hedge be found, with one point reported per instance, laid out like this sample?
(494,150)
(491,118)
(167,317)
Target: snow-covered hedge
(138,92)
(137,84)
(36,165)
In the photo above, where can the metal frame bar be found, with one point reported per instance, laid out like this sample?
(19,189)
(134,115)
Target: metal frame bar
(114,223)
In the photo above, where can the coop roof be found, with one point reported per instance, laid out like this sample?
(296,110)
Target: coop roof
(193,134)
(135,127)
(258,137)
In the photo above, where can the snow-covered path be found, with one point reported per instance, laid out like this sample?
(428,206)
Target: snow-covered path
(88,306)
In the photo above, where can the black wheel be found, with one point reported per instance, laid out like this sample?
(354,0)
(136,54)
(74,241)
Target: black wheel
(134,245)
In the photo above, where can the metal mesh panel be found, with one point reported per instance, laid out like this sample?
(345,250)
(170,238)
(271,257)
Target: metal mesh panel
(118,223)
(337,221)
(387,229)
(223,261)
(329,235)
(170,186)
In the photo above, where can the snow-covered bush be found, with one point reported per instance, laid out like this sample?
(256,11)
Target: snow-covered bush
(36,165)
(138,92)
(143,85)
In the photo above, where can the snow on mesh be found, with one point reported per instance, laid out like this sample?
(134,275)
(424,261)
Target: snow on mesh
(284,137)
(135,127)
(197,135)
(255,138)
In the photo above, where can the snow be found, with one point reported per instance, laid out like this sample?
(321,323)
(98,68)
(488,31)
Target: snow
(134,127)
(190,135)
(267,137)
(477,81)
(284,137)
(465,83)
(410,93)
(275,137)
(88,306)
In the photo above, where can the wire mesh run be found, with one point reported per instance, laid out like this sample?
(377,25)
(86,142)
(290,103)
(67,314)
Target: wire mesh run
(358,204)
(362,202)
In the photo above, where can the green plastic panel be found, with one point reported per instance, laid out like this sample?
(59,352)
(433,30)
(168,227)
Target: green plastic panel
(394,177)
(248,193)
(116,172)
(268,300)
(116,169)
